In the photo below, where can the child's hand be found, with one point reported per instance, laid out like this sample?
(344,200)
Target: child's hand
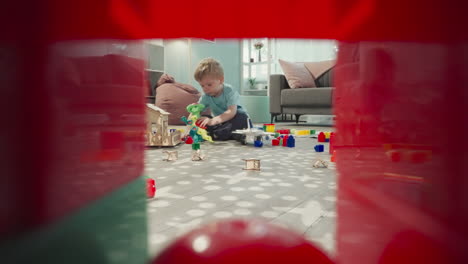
(205,121)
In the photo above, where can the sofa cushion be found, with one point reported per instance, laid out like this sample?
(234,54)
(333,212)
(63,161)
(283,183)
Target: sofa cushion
(326,79)
(307,97)
(317,68)
(296,74)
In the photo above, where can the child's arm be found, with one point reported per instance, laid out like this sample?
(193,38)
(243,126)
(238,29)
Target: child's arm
(226,116)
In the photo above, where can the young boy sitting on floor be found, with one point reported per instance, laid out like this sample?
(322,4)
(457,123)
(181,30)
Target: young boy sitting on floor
(221,99)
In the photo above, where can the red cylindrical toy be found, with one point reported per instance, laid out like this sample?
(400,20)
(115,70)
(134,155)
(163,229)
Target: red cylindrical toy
(150,188)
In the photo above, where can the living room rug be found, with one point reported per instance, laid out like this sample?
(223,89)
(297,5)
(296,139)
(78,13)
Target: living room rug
(286,191)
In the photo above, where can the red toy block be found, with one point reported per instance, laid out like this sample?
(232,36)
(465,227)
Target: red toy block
(285,141)
(189,140)
(150,188)
(321,137)
(275,142)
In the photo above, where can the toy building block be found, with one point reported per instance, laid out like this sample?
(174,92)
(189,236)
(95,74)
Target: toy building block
(269,127)
(258,143)
(285,141)
(188,140)
(291,142)
(252,164)
(275,142)
(312,131)
(197,155)
(150,188)
(320,164)
(171,155)
(157,131)
(321,137)
(319,148)
(302,132)
(327,134)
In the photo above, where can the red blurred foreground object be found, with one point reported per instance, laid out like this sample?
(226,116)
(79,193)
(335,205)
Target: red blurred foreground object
(241,241)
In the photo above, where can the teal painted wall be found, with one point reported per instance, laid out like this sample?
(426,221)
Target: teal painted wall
(181,58)
(227,52)
(258,108)
(176,59)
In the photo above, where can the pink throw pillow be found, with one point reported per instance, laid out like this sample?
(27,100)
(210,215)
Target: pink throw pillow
(318,68)
(297,74)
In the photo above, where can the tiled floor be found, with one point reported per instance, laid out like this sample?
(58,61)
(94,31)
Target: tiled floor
(287,191)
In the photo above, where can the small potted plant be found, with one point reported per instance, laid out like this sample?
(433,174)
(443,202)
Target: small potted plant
(258,46)
(252,82)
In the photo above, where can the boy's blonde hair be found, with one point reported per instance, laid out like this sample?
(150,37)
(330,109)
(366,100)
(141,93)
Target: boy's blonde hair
(208,66)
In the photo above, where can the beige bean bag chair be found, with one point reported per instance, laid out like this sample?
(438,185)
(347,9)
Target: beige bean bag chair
(174,97)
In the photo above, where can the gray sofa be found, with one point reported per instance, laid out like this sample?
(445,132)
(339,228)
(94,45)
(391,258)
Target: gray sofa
(301,101)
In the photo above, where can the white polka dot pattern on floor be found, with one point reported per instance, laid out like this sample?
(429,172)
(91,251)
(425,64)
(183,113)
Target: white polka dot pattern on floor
(195,212)
(229,198)
(242,212)
(269,214)
(207,205)
(191,193)
(183,182)
(212,187)
(244,204)
(262,196)
(255,188)
(222,214)
(289,198)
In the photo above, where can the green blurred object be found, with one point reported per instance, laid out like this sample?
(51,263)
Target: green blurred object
(196,146)
(112,230)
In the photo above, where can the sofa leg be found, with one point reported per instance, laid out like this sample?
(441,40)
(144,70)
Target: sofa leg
(273,116)
(297,118)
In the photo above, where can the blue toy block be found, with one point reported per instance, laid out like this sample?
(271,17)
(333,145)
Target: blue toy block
(258,143)
(319,148)
(291,142)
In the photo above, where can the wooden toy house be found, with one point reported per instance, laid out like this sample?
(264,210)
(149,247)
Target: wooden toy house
(157,130)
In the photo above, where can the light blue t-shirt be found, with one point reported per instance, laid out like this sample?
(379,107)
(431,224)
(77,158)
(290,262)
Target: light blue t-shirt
(220,104)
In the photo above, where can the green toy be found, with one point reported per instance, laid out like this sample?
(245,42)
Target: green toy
(197,133)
